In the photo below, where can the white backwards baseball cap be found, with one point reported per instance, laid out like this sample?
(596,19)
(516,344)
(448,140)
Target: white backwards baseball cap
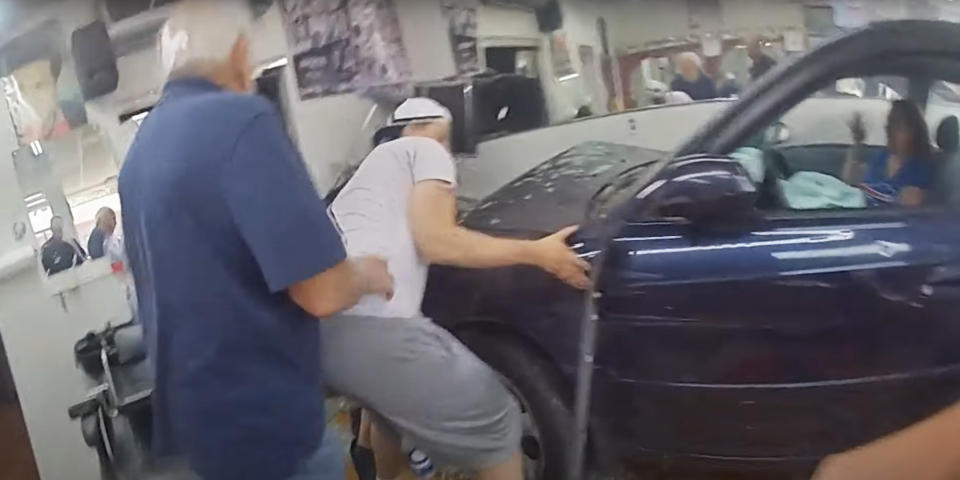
(419,109)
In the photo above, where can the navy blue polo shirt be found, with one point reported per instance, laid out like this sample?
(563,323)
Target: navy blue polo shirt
(220,219)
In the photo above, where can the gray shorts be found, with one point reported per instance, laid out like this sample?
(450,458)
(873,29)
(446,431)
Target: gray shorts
(428,388)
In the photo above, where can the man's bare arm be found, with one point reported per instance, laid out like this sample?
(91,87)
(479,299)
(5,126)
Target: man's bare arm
(433,222)
(924,451)
(340,287)
(854,166)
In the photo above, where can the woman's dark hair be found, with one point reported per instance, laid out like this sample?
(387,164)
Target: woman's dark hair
(905,113)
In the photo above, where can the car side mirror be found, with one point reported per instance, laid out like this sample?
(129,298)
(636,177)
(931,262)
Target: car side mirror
(702,189)
(776,134)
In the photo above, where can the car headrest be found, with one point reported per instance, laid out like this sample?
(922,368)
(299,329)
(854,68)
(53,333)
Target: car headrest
(948,134)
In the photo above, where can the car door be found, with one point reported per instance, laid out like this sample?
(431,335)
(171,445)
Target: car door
(801,335)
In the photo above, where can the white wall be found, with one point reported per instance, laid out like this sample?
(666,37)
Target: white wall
(426,37)
(498,21)
(637,23)
(19,16)
(12,208)
(749,15)
(38,334)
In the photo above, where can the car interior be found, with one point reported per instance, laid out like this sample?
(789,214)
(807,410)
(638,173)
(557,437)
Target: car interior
(782,159)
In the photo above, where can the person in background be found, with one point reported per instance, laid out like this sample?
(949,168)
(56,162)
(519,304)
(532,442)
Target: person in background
(235,262)
(762,62)
(106,223)
(926,450)
(422,384)
(729,87)
(904,171)
(691,79)
(59,254)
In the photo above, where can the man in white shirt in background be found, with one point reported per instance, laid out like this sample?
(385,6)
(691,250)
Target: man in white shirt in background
(422,383)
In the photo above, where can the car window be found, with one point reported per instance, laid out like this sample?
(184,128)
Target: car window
(943,102)
(805,160)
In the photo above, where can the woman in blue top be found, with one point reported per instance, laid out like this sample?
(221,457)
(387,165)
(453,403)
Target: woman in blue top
(904,171)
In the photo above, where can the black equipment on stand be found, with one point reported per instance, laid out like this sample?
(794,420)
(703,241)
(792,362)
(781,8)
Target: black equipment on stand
(115,418)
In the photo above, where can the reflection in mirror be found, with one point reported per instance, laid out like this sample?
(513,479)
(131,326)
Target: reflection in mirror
(67,183)
(776,133)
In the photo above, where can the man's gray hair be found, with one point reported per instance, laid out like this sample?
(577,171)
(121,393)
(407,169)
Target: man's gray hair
(104,212)
(201,33)
(690,57)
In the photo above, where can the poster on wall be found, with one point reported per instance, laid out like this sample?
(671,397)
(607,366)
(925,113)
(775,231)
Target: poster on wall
(343,46)
(462,20)
(560,54)
(40,88)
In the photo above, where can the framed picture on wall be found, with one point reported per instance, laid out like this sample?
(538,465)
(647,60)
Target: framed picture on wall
(40,86)
(462,21)
(343,46)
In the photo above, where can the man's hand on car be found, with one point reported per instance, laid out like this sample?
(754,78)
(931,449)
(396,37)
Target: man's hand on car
(926,450)
(556,257)
(857,129)
(374,275)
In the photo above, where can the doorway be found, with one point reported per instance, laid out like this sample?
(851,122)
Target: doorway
(16,454)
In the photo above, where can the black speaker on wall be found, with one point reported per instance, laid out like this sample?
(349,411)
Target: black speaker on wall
(550,16)
(458,97)
(488,105)
(94,60)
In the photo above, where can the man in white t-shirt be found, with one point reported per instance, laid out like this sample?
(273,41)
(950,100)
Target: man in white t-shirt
(425,387)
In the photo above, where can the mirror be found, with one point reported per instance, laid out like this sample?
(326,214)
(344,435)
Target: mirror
(776,134)
(704,189)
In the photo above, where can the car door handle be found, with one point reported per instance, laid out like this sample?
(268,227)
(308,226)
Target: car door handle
(900,287)
(946,275)
(943,284)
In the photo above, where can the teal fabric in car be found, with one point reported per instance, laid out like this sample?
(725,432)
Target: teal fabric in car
(814,190)
(752,161)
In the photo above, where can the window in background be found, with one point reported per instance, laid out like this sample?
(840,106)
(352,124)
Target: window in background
(528,63)
(40,214)
(945,92)
(880,87)
(513,60)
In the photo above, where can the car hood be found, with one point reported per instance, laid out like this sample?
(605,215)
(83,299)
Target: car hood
(561,191)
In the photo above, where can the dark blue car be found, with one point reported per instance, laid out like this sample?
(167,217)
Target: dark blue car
(735,328)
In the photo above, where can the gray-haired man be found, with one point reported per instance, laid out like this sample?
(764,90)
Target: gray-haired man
(235,261)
